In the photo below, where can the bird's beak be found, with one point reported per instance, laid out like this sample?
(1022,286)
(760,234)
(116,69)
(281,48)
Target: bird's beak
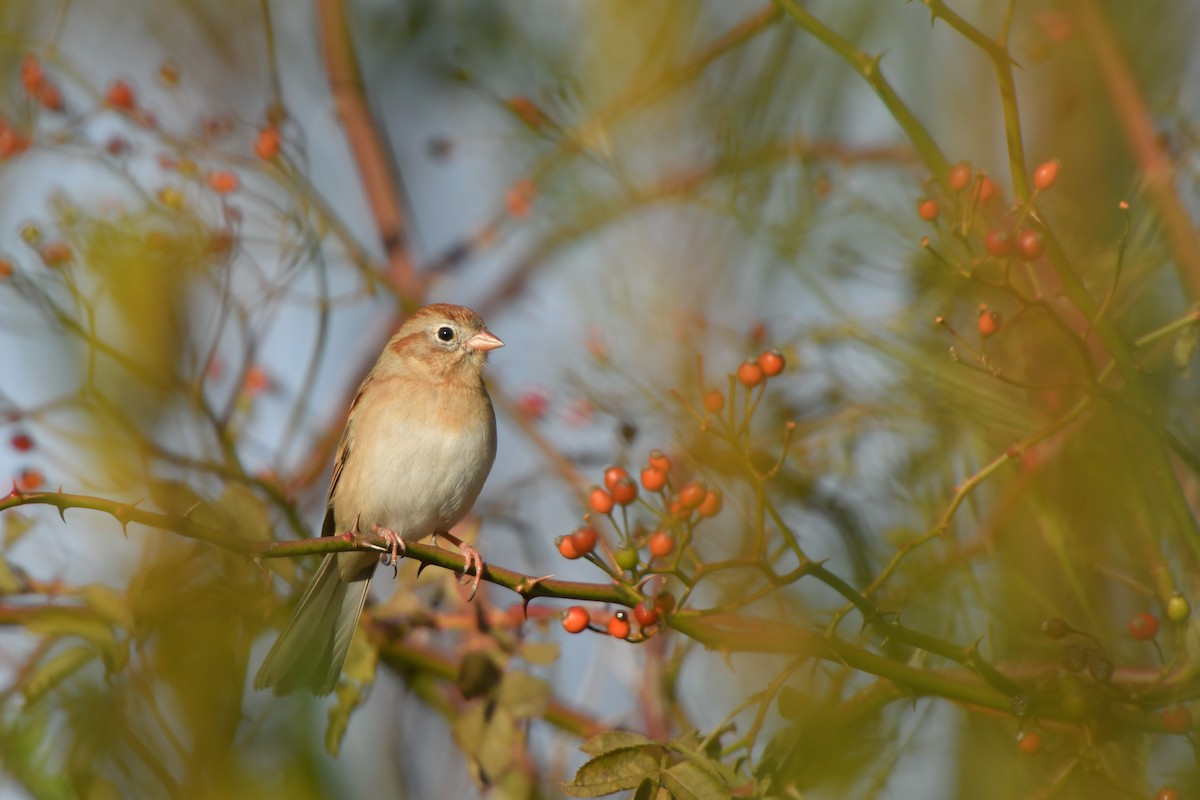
(484,341)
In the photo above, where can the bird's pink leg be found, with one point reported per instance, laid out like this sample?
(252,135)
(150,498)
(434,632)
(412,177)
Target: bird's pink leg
(395,550)
(474,560)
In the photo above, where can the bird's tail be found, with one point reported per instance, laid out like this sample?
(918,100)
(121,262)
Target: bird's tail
(313,645)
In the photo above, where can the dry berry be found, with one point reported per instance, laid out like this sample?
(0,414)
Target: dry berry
(646,613)
(1030,244)
(612,475)
(120,95)
(625,491)
(959,175)
(584,539)
(600,501)
(989,322)
(1045,174)
(998,242)
(1029,742)
(660,460)
(750,374)
(575,619)
(661,544)
(1143,626)
(714,401)
(566,547)
(618,625)
(928,208)
(664,601)
(772,362)
(653,479)
(712,503)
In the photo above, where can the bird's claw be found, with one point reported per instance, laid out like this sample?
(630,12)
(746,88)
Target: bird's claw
(395,550)
(474,561)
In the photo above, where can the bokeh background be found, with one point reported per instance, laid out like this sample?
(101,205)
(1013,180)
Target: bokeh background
(617,187)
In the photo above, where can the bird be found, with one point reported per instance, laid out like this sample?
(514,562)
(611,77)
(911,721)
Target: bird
(419,442)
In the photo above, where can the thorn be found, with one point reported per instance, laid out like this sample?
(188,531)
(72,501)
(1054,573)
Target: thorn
(187,514)
(62,512)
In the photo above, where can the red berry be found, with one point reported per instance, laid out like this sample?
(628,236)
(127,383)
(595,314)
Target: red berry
(645,613)
(120,95)
(1030,742)
(998,242)
(989,322)
(584,539)
(661,544)
(772,362)
(223,181)
(1045,174)
(1030,244)
(653,479)
(618,625)
(22,442)
(55,254)
(712,503)
(928,208)
(959,176)
(600,501)
(1167,793)
(51,97)
(31,73)
(612,475)
(692,495)
(714,401)
(266,145)
(625,492)
(660,460)
(750,374)
(566,547)
(1143,626)
(575,619)
(1177,719)
(986,190)
(30,479)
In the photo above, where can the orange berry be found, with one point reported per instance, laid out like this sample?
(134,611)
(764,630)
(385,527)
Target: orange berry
(51,97)
(660,460)
(584,539)
(1030,742)
(928,209)
(998,242)
(575,619)
(1167,793)
(772,362)
(714,401)
(30,479)
(989,322)
(1045,174)
(223,181)
(986,190)
(625,491)
(612,474)
(266,144)
(519,198)
(959,175)
(120,95)
(1030,244)
(692,495)
(653,479)
(55,254)
(601,502)
(6,268)
(256,381)
(712,503)
(645,613)
(526,111)
(661,544)
(1177,719)
(618,625)
(1143,626)
(750,374)
(31,74)
(566,547)
(12,142)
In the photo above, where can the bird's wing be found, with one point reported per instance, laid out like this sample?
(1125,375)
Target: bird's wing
(339,459)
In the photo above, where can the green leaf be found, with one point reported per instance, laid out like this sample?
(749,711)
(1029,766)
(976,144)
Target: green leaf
(243,513)
(478,674)
(9,582)
(614,740)
(719,770)
(175,497)
(523,694)
(349,697)
(487,740)
(16,525)
(615,771)
(540,653)
(110,605)
(50,673)
(52,621)
(687,780)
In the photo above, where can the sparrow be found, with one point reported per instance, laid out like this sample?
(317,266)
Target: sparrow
(419,442)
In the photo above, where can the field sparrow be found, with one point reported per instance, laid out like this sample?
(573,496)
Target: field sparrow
(418,445)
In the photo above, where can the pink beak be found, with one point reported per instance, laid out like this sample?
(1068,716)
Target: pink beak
(484,341)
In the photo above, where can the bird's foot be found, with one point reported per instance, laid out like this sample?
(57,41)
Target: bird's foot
(394,551)
(474,560)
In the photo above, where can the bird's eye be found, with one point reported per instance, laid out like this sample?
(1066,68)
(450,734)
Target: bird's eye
(445,333)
